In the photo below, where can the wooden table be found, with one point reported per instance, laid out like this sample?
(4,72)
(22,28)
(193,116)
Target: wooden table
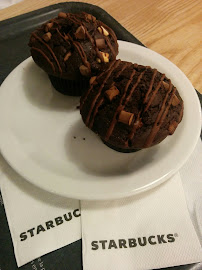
(169,27)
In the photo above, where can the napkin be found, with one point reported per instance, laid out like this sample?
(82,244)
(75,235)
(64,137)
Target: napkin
(39,222)
(7,3)
(191,175)
(28,207)
(146,231)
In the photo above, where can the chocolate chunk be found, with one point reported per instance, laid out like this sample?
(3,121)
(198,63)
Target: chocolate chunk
(98,60)
(48,26)
(123,123)
(80,32)
(166,85)
(105,57)
(75,33)
(172,127)
(100,43)
(84,70)
(62,15)
(126,117)
(103,31)
(90,17)
(92,80)
(47,36)
(67,56)
(111,93)
(175,101)
(138,124)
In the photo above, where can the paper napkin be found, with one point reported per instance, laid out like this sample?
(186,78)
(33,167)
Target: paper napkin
(39,222)
(151,230)
(147,231)
(7,3)
(191,175)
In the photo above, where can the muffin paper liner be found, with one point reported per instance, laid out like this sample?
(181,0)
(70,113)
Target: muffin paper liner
(69,87)
(122,150)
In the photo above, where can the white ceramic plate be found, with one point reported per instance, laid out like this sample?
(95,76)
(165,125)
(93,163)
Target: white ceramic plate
(44,139)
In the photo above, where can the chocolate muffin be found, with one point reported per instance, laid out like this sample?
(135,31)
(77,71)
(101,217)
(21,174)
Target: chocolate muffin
(71,48)
(131,106)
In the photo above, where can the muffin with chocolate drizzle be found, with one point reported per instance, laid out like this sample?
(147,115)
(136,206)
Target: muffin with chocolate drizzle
(131,106)
(71,48)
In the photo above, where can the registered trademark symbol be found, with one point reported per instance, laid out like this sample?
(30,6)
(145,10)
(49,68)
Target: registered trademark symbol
(176,235)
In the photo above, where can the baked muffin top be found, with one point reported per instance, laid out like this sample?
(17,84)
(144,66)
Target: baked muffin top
(131,106)
(73,45)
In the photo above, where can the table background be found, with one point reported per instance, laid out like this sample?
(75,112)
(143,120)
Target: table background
(169,27)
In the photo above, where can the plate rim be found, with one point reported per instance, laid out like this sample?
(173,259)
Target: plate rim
(117,194)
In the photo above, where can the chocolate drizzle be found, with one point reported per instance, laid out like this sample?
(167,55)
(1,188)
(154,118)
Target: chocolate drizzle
(95,112)
(51,51)
(82,53)
(138,122)
(108,73)
(115,52)
(136,125)
(122,69)
(161,116)
(138,76)
(45,56)
(100,90)
(150,86)
(91,87)
(154,93)
(69,23)
(122,105)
